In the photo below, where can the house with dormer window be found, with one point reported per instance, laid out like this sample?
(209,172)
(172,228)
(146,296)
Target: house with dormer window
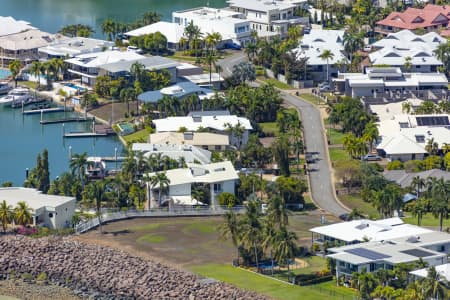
(431,18)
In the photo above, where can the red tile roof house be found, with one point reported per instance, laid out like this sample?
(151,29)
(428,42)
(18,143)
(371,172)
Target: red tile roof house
(431,18)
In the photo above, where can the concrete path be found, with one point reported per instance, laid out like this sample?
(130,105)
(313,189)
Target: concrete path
(322,188)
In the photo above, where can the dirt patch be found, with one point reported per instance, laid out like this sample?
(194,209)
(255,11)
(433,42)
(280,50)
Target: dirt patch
(105,111)
(22,290)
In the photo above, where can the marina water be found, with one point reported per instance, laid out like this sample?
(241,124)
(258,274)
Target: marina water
(23,137)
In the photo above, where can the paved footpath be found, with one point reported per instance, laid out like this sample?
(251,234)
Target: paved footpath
(321,183)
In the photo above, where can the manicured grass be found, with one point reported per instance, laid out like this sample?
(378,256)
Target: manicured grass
(267,286)
(201,227)
(138,136)
(315,264)
(269,128)
(335,136)
(28,84)
(276,83)
(152,239)
(428,220)
(337,154)
(355,201)
(311,98)
(180,55)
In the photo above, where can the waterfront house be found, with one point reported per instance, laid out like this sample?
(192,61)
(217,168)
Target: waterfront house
(312,46)
(232,25)
(443,271)
(180,90)
(430,18)
(65,47)
(51,211)
(172,31)
(180,153)
(221,177)
(209,121)
(205,140)
(269,18)
(19,40)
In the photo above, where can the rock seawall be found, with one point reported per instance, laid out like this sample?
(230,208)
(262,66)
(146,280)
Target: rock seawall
(105,273)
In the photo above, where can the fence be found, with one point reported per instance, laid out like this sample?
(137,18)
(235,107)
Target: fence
(177,211)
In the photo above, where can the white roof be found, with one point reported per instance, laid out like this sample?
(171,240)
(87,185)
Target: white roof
(313,44)
(172,31)
(174,151)
(26,40)
(406,140)
(204,78)
(95,60)
(9,25)
(193,123)
(393,56)
(210,173)
(262,5)
(185,200)
(426,239)
(34,198)
(406,39)
(75,46)
(388,111)
(387,251)
(190,138)
(443,270)
(360,230)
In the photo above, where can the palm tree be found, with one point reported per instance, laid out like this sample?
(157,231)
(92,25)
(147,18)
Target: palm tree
(127,95)
(414,291)
(231,229)
(285,247)
(14,67)
(442,53)
(277,213)
(408,64)
(193,33)
(161,181)
(78,165)
(95,191)
(440,198)
(251,229)
(211,59)
(434,287)
(22,213)
(182,43)
(352,43)
(418,210)
(432,147)
(108,27)
(417,184)
(406,107)
(6,214)
(36,70)
(371,134)
(327,55)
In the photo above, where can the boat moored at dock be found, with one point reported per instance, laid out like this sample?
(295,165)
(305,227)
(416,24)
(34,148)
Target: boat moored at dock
(17,95)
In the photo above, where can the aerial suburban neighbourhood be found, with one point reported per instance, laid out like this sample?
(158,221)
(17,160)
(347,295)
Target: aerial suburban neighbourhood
(225,149)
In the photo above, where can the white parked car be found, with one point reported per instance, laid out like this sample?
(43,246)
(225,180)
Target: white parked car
(367,48)
(134,49)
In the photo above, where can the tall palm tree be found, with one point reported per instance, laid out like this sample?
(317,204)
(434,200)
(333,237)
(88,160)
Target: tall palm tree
(127,95)
(417,184)
(95,192)
(78,165)
(418,210)
(440,200)
(230,229)
(6,214)
(161,181)
(182,43)
(327,55)
(408,64)
(371,134)
(352,43)
(432,147)
(285,247)
(108,27)
(211,59)
(251,229)
(36,70)
(277,213)
(193,33)
(22,213)
(14,67)
(441,53)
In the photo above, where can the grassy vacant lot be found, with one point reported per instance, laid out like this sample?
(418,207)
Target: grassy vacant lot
(138,136)
(273,288)
(335,136)
(354,201)
(269,128)
(276,83)
(428,220)
(337,154)
(120,108)
(311,98)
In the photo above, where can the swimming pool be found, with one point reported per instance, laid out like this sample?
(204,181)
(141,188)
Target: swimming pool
(76,87)
(4,73)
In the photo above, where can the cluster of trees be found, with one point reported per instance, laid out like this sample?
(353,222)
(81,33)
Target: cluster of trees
(394,284)
(52,69)
(258,237)
(75,30)
(155,43)
(39,177)
(21,214)
(115,30)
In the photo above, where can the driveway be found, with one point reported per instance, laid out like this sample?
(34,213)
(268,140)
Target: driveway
(322,188)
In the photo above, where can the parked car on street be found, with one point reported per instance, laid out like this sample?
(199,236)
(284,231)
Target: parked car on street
(371,157)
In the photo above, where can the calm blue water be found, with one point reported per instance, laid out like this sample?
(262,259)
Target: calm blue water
(23,138)
(4,73)
(51,15)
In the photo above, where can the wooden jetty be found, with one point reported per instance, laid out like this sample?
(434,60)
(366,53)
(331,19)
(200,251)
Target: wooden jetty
(67,120)
(98,130)
(47,110)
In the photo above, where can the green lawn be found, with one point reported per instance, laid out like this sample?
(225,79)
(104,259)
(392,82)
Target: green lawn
(337,154)
(152,239)
(138,136)
(355,201)
(427,220)
(270,287)
(331,96)
(269,128)
(276,83)
(29,84)
(335,136)
(311,98)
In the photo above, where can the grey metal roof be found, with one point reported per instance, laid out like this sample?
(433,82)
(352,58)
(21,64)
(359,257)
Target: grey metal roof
(404,179)
(150,63)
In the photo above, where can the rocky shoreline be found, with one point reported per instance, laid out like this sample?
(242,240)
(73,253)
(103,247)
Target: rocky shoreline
(97,272)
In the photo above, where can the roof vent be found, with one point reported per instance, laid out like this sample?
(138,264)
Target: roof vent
(188,135)
(197,118)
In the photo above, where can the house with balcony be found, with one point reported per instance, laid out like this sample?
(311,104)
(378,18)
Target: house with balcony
(430,18)
(219,177)
(232,25)
(65,47)
(269,18)
(172,31)
(181,153)
(19,40)
(205,140)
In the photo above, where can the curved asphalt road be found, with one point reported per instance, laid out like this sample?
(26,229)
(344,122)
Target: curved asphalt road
(322,189)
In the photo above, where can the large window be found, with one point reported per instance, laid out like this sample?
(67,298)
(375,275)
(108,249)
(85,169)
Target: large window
(217,188)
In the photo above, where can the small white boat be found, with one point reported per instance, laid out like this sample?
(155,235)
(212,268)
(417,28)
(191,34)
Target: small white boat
(4,88)
(17,95)
(96,168)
